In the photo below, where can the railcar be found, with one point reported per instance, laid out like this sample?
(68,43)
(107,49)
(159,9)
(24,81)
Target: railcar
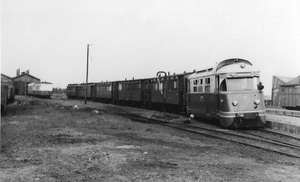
(102,91)
(132,92)
(229,92)
(40,89)
(175,89)
(81,90)
(71,91)
(290,96)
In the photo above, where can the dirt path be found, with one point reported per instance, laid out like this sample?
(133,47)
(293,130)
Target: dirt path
(52,140)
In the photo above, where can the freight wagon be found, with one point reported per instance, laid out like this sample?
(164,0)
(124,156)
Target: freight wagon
(290,96)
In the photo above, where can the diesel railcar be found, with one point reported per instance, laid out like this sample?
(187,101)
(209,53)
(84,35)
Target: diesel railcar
(228,91)
(40,89)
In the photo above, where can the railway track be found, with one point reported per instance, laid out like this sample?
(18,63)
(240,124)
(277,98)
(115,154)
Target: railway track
(261,139)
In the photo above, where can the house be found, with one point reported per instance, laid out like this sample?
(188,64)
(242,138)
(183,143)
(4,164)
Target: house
(21,81)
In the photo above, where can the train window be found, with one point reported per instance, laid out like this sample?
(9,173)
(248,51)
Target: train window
(207,88)
(120,86)
(194,89)
(234,84)
(223,86)
(200,89)
(161,86)
(175,84)
(155,86)
(195,82)
(207,80)
(282,90)
(201,81)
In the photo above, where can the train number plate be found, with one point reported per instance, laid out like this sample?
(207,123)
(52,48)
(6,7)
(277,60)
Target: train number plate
(249,115)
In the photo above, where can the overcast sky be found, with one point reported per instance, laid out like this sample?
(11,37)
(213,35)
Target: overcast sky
(137,38)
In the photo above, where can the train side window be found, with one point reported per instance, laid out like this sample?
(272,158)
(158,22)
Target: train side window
(201,81)
(207,84)
(161,86)
(195,89)
(200,89)
(223,86)
(207,80)
(155,86)
(195,82)
(175,84)
(120,86)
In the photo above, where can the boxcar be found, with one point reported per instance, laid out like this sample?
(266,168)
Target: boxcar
(290,96)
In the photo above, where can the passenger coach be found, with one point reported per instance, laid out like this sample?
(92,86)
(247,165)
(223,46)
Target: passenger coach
(229,92)
(40,89)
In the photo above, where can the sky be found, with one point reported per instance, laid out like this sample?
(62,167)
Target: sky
(138,38)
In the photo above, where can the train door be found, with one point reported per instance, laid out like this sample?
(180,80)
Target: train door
(114,91)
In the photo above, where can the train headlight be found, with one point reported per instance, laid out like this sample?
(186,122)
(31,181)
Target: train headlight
(235,103)
(257,102)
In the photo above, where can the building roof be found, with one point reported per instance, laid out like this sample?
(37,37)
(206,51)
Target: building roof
(5,76)
(295,81)
(284,78)
(25,74)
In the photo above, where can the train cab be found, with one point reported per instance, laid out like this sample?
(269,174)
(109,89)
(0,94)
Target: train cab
(230,92)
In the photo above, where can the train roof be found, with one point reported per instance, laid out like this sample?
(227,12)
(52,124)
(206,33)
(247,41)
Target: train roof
(222,67)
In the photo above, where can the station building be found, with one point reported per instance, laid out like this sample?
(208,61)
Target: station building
(22,80)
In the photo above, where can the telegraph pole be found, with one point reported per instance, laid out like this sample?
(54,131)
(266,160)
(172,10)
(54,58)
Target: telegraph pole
(87,72)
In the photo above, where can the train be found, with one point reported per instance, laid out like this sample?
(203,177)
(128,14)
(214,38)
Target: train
(7,94)
(229,91)
(40,89)
(290,96)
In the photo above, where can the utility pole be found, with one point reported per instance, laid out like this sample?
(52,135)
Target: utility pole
(87,72)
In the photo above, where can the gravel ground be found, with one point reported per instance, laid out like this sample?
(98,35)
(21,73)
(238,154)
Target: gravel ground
(52,140)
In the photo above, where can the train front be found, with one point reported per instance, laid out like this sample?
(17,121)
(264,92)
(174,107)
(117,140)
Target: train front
(241,99)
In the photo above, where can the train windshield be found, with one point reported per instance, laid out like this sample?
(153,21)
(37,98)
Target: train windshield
(236,84)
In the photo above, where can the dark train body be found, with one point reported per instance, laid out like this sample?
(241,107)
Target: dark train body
(7,94)
(290,96)
(228,92)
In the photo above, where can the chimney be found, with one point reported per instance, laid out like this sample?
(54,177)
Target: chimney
(18,72)
(27,72)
